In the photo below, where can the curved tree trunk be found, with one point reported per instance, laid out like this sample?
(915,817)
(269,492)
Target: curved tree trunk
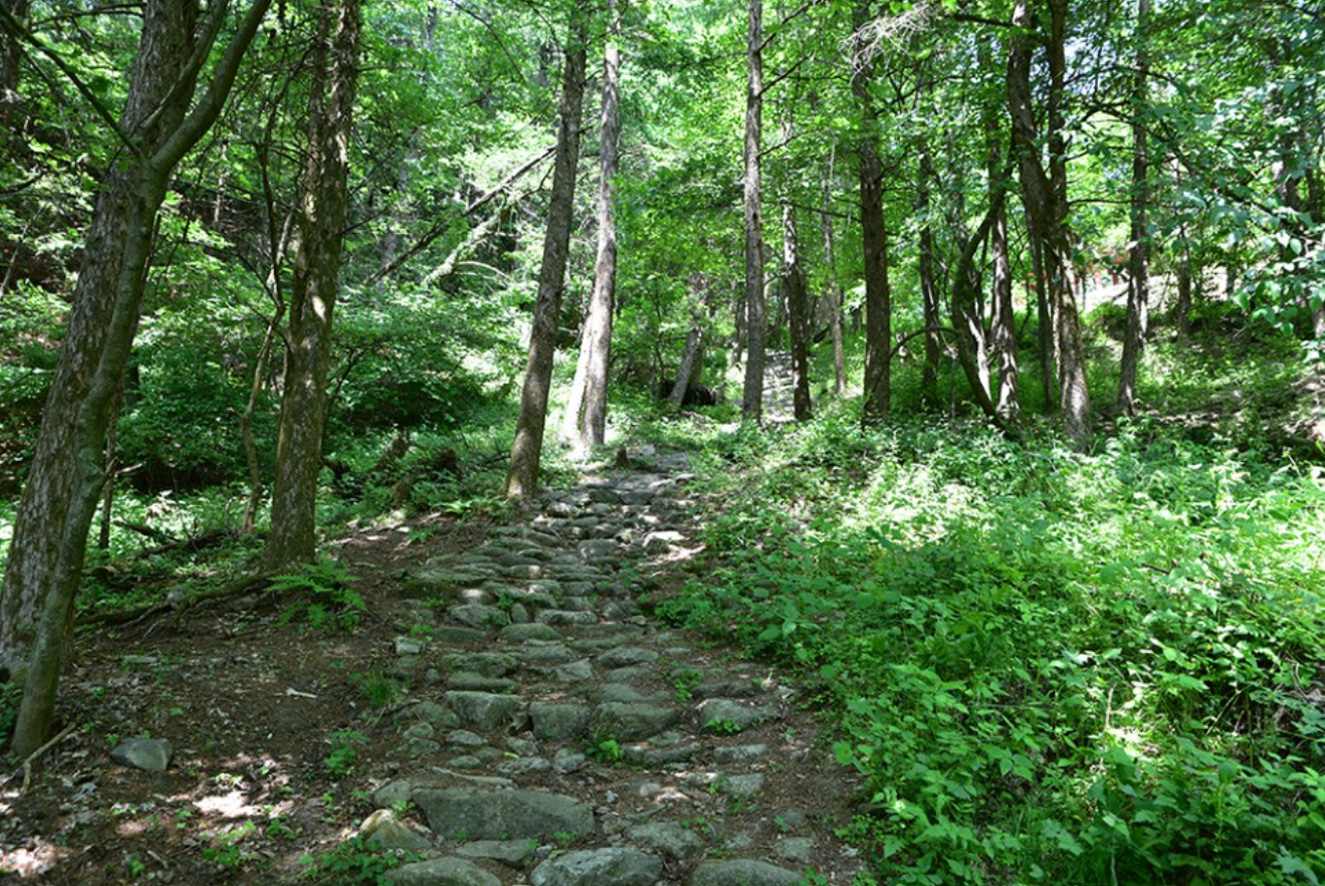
(527,450)
(323,209)
(586,414)
(65,480)
(756,320)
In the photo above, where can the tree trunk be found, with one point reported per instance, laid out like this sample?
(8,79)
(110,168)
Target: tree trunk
(834,287)
(874,236)
(323,208)
(797,314)
(65,480)
(527,450)
(929,294)
(10,100)
(756,321)
(586,414)
(1138,289)
(1003,316)
(692,360)
(1045,195)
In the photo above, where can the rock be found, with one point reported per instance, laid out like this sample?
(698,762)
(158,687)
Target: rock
(741,787)
(726,715)
(567,761)
(488,711)
(433,713)
(743,872)
(477,616)
(661,542)
(420,730)
(625,692)
(599,867)
(627,656)
(462,813)
(573,672)
(488,664)
(599,550)
(441,872)
(455,636)
(149,754)
(384,829)
(523,766)
(533,631)
(632,721)
(544,654)
(464,680)
(645,755)
(408,646)
(463,738)
(565,617)
(795,849)
(559,722)
(739,753)
(512,853)
(670,838)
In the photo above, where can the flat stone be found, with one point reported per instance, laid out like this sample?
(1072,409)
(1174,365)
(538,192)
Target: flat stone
(567,761)
(149,754)
(739,753)
(598,550)
(463,738)
(512,853)
(488,664)
(661,542)
(628,675)
(565,617)
(627,656)
(726,688)
(452,635)
(559,722)
(520,559)
(728,713)
(408,646)
(742,787)
(477,616)
(461,813)
(432,713)
(632,721)
(479,683)
(533,631)
(672,839)
(626,693)
(795,849)
(441,872)
(488,711)
(599,867)
(523,766)
(573,672)
(648,755)
(384,829)
(743,872)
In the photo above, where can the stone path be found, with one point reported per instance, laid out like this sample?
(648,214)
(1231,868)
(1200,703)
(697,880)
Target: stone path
(557,736)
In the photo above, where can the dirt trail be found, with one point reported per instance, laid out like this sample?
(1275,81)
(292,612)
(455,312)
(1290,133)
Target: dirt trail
(535,723)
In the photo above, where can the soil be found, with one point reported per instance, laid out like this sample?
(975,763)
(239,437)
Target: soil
(252,706)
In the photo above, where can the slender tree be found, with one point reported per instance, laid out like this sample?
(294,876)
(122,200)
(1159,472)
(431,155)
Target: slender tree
(874,236)
(322,214)
(1138,284)
(527,450)
(159,124)
(834,299)
(756,320)
(586,414)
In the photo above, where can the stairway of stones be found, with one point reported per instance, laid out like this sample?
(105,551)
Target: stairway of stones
(558,735)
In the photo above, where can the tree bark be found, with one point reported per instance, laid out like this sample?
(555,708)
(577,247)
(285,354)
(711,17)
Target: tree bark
(834,287)
(586,414)
(874,236)
(1138,289)
(929,294)
(756,320)
(10,100)
(323,203)
(692,360)
(797,314)
(527,450)
(65,480)
(1044,193)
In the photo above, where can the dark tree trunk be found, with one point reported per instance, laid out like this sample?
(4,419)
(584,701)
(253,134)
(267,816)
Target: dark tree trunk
(65,480)
(1045,195)
(756,320)
(834,287)
(586,414)
(874,236)
(1003,317)
(527,450)
(692,360)
(1138,288)
(323,209)
(10,100)
(798,322)
(929,294)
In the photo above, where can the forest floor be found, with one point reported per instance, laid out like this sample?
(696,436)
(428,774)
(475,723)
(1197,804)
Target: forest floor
(508,711)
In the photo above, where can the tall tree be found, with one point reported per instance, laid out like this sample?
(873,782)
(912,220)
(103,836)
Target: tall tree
(527,450)
(159,124)
(874,236)
(586,414)
(1138,284)
(798,321)
(322,214)
(1044,191)
(756,320)
(834,299)
(17,10)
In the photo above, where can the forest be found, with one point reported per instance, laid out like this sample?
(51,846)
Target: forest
(629,442)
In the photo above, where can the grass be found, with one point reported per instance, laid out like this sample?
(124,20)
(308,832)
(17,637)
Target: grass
(1048,666)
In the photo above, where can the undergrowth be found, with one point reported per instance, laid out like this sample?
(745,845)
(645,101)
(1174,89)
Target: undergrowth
(1049,667)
